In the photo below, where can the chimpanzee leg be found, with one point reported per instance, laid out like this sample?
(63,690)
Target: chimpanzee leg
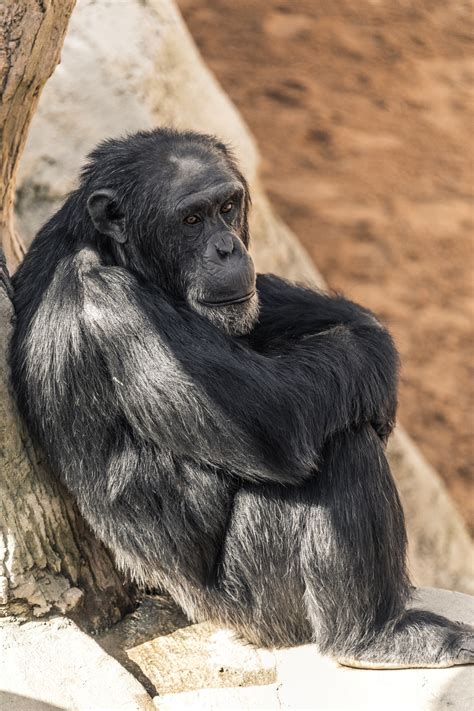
(325,562)
(258,587)
(353,566)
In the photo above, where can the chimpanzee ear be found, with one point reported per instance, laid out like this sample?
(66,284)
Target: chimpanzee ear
(103,208)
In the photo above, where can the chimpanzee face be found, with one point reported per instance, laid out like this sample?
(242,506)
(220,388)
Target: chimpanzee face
(194,243)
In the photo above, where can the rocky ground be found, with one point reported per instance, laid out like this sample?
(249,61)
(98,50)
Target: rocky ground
(201,667)
(363,113)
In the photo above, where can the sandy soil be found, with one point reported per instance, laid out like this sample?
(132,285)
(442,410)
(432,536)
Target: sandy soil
(364,114)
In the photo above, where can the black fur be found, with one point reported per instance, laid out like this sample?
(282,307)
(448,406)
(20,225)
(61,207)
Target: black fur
(235,459)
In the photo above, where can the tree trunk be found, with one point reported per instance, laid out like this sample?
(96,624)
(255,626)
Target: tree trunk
(31,37)
(49,560)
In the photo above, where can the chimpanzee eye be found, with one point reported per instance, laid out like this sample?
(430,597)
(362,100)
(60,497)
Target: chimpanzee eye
(192,219)
(227,206)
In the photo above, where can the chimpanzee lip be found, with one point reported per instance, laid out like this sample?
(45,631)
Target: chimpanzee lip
(228,302)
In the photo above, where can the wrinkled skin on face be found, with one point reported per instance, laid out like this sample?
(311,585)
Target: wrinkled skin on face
(210,211)
(195,245)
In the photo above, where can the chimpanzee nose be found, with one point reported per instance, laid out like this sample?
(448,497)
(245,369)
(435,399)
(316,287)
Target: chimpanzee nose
(224,245)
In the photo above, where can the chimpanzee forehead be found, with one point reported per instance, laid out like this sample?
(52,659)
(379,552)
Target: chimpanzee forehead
(192,173)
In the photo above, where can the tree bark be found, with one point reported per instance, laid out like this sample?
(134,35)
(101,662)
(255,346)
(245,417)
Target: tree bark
(49,559)
(31,37)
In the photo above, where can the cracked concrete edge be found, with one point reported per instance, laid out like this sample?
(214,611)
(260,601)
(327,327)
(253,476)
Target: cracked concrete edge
(53,664)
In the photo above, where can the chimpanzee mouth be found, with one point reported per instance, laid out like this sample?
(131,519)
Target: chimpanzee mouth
(228,302)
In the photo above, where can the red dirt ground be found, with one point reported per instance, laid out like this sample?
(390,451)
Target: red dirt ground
(364,115)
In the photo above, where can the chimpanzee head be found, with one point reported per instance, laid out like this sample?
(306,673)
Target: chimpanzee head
(173,208)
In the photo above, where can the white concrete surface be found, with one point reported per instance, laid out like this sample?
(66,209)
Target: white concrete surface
(51,664)
(306,680)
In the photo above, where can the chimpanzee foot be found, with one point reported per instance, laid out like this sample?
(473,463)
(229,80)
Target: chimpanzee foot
(419,640)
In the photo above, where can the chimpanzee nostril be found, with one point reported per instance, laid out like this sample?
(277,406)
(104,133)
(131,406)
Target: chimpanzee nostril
(224,245)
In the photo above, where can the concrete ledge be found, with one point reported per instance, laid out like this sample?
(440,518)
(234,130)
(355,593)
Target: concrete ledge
(53,665)
(306,680)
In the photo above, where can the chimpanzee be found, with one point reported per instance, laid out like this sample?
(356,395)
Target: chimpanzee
(223,433)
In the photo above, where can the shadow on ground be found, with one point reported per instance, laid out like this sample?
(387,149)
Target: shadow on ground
(15,702)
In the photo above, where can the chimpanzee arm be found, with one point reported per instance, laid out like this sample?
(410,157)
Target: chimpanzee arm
(290,315)
(184,385)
